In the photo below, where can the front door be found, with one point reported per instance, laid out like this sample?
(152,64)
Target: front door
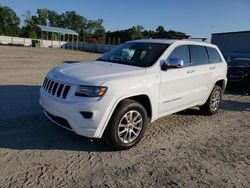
(177,84)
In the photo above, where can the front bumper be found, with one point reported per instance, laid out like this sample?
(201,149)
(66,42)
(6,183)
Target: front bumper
(69,109)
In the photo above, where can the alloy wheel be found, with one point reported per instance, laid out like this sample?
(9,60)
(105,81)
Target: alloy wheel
(130,126)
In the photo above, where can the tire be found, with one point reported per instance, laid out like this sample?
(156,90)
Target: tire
(213,102)
(127,125)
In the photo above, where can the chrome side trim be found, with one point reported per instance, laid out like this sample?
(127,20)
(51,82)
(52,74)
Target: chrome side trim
(172,100)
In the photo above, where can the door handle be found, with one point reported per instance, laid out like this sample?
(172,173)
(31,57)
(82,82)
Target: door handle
(190,71)
(211,68)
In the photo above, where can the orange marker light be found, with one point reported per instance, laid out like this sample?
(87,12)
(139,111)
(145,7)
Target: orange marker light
(102,91)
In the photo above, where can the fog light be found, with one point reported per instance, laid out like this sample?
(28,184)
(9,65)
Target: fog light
(87,115)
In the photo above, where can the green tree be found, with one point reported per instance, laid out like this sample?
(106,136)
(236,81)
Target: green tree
(29,30)
(109,40)
(96,30)
(9,22)
(42,16)
(70,19)
(55,19)
(118,41)
(87,29)
(74,21)
(161,32)
(176,35)
(136,32)
(113,41)
(160,29)
(148,34)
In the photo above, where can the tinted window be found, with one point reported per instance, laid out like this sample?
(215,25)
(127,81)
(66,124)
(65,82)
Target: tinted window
(214,57)
(181,52)
(135,54)
(198,55)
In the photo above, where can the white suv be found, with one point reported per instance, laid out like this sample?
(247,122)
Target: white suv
(117,95)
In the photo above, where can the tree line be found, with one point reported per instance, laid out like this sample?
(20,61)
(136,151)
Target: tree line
(91,31)
(138,32)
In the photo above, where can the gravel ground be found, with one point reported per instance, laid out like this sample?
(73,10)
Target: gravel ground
(186,149)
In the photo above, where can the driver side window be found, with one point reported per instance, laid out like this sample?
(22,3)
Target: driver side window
(181,52)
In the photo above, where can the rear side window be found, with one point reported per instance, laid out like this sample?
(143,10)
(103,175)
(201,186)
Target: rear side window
(213,54)
(181,52)
(199,55)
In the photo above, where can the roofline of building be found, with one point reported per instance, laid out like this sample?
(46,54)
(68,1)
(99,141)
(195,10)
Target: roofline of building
(57,30)
(235,32)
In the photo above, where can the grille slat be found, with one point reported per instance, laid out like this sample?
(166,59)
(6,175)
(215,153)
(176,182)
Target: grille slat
(58,94)
(61,95)
(44,82)
(50,87)
(56,88)
(65,92)
(46,88)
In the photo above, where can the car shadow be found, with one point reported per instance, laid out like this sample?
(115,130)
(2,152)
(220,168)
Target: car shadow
(229,105)
(233,105)
(24,126)
(191,111)
(236,106)
(236,91)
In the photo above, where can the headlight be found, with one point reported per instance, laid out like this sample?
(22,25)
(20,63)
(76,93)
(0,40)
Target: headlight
(90,91)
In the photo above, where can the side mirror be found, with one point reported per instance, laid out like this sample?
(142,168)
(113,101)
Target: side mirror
(172,63)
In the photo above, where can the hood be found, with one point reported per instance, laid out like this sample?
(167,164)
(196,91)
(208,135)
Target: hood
(93,73)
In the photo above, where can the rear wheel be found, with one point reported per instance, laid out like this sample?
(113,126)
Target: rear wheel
(213,102)
(127,125)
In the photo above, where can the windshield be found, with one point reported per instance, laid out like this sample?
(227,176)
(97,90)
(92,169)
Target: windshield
(135,54)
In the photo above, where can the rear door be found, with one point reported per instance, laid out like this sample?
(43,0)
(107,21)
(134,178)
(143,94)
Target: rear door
(216,63)
(202,74)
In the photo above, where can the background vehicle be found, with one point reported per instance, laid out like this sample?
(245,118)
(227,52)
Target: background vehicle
(133,85)
(239,74)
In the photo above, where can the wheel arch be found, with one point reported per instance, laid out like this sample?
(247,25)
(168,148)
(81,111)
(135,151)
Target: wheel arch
(143,99)
(221,83)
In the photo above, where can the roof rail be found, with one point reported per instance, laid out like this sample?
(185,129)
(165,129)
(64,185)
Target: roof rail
(198,39)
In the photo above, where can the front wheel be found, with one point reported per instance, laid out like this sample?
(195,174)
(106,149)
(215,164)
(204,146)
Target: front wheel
(127,125)
(213,102)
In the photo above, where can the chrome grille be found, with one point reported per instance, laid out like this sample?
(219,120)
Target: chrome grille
(56,88)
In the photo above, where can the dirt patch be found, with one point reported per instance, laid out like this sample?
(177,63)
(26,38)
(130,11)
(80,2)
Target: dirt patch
(186,149)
